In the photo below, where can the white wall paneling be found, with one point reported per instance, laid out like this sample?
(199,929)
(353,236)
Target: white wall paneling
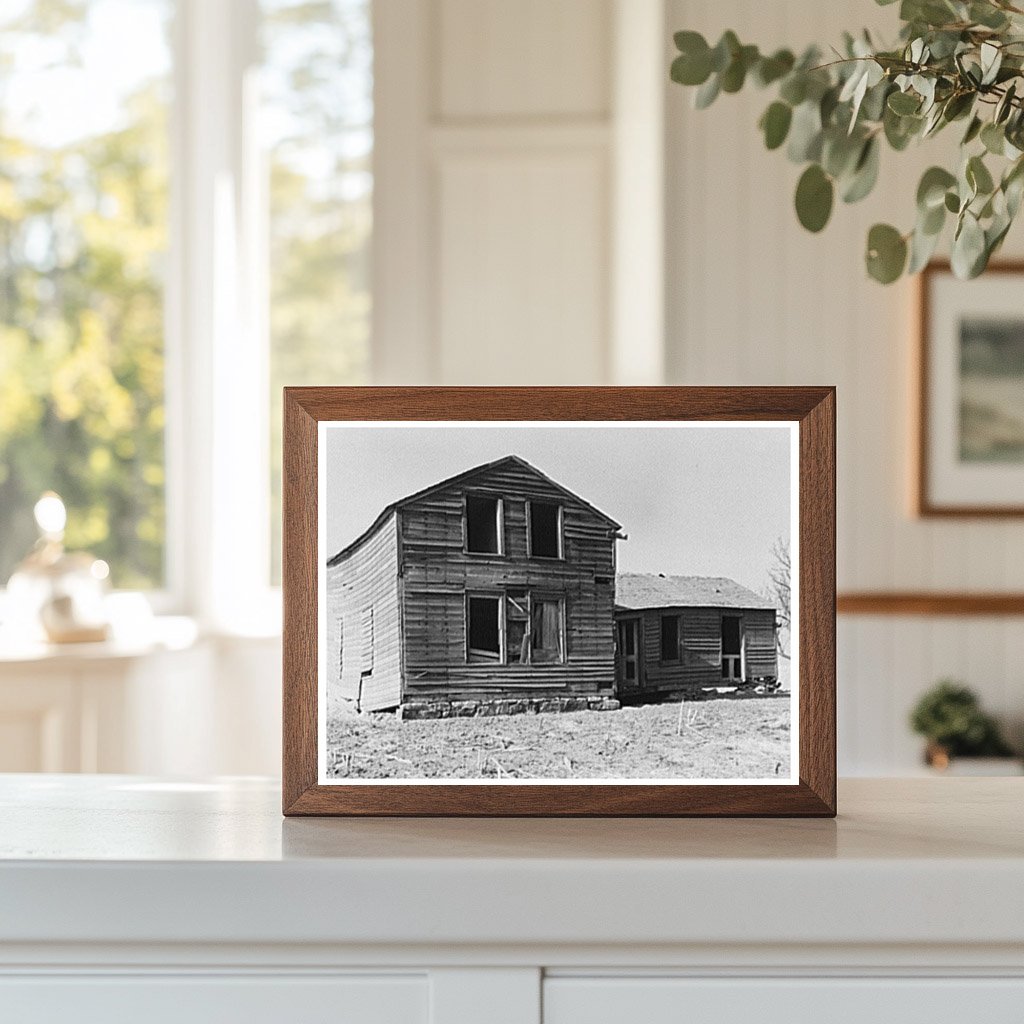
(514,168)
(751,298)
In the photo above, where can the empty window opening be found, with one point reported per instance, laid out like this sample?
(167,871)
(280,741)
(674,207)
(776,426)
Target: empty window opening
(627,649)
(545,535)
(732,647)
(546,640)
(484,628)
(483,524)
(670,638)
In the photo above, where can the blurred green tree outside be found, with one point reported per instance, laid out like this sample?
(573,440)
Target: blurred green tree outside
(83,217)
(83,241)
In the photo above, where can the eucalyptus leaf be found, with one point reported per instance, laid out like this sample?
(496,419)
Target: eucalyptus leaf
(865,174)
(973,130)
(724,51)
(904,103)
(794,88)
(1005,105)
(968,248)
(707,93)
(978,175)
(931,190)
(775,124)
(987,15)
(771,69)
(922,247)
(814,195)
(993,138)
(805,133)
(991,60)
(886,253)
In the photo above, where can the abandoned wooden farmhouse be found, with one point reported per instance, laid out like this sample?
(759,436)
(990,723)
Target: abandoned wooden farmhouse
(497,584)
(679,634)
(496,590)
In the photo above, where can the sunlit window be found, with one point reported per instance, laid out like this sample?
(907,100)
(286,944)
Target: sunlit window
(83,235)
(317,120)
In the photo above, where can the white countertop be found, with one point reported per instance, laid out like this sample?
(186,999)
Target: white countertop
(123,859)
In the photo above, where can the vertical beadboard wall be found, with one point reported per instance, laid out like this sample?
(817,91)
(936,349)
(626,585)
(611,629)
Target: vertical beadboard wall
(518,100)
(753,299)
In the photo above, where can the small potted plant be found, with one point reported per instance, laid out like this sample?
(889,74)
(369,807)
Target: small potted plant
(950,718)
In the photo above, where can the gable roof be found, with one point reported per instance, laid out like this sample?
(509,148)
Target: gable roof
(635,591)
(461,478)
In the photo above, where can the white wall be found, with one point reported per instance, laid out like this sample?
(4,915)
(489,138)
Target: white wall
(754,299)
(496,210)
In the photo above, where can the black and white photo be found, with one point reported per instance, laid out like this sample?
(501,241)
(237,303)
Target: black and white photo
(511,602)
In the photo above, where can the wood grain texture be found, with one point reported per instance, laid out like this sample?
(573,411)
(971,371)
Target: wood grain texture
(923,503)
(812,407)
(925,603)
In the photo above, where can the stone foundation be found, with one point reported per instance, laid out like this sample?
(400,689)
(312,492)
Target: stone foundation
(508,706)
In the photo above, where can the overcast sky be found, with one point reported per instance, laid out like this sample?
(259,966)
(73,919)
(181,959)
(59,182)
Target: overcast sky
(694,500)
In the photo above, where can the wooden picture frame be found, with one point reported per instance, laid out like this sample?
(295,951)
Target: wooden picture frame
(940,490)
(811,411)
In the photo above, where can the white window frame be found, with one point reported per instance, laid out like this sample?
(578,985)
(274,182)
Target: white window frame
(217,453)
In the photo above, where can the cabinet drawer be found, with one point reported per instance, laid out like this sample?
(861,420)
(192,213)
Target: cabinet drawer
(782,1001)
(202,999)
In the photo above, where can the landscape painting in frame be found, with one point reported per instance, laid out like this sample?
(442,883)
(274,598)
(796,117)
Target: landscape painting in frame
(972,423)
(546,602)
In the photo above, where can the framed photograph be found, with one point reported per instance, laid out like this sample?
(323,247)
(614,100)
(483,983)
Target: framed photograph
(970,450)
(559,601)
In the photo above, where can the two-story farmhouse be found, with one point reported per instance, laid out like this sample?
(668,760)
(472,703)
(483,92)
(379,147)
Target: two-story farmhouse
(496,584)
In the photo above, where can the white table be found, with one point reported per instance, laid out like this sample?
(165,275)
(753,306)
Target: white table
(125,898)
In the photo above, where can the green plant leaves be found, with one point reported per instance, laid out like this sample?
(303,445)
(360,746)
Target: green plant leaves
(978,176)
(771,69)
(957,60)
(693,65)
(904,103)
(775,122)
(865,173)
(814,195)
(886,254)
(932,189)
(969,255)
(805,133)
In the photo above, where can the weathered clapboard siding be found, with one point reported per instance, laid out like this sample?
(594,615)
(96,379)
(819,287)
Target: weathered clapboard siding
(700,662)
(363,621)
(437,573)
(762,656)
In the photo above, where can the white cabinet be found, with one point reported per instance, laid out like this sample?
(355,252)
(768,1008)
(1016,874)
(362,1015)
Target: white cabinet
(828,1000)
(216,1000)
(127,899)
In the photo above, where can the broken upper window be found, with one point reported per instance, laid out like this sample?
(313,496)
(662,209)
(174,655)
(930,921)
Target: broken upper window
(670,638)
(545,535)
(484,628)
(483,524)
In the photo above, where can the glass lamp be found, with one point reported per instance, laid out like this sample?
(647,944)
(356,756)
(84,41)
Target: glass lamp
(56,595)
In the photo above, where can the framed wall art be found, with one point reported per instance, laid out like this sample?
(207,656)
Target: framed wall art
(559,601)
(970,444)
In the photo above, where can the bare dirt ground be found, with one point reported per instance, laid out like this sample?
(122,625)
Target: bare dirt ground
(714,739)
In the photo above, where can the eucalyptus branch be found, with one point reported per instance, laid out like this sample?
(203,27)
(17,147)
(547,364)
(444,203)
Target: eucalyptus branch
(955,61)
